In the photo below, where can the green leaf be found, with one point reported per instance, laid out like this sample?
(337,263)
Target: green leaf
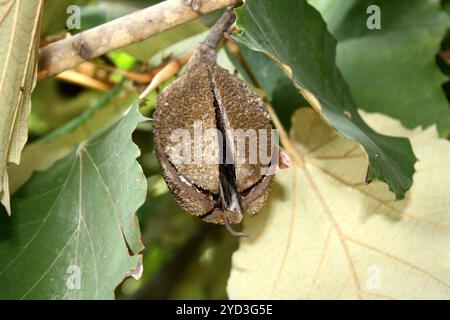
(77,218)
(84,117)
(19,30)
(56,102)
(40,155)
(294,34)
(392,70)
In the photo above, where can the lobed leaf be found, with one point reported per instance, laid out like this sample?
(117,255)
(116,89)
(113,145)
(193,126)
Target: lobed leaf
(392,70)
(327,235)
(19,36)
(294,34)
(75,222)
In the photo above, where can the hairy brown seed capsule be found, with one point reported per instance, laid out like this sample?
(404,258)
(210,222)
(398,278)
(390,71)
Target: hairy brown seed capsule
(212,116)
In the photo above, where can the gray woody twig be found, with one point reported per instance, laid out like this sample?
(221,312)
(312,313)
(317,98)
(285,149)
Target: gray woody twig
(137,26)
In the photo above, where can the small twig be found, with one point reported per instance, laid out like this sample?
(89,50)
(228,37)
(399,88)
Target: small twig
(206,50)
(169,70)
(217,31)
(140,77)
(137,26)
(81,79)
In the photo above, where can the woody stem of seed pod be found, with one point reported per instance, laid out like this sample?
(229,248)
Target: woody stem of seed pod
(206,50)
(222,25)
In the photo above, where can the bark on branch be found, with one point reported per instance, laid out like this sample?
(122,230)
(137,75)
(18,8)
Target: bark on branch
(137,26)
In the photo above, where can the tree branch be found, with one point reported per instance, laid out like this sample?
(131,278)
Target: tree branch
(137,26)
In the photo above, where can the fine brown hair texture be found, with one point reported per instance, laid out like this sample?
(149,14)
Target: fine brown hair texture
(218,192)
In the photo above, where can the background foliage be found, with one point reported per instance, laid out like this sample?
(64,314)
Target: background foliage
(395,71)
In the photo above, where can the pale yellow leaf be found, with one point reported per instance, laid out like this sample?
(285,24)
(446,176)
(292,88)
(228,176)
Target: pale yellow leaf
(327,235)
(19,26)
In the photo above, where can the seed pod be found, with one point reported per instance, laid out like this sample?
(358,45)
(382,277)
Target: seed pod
(213,117)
